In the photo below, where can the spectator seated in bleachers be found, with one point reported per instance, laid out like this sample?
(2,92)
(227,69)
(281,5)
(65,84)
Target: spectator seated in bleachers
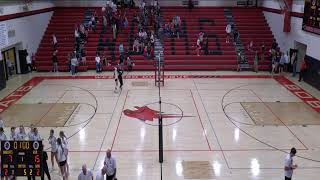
(136,45)
(176,25)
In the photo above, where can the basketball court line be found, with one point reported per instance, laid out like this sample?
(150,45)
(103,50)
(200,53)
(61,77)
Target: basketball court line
(25,88)
(280,120)
(295,89)
(107,129)
(115,135)
(203,130)
(211,125)
(53,104)
(199,117)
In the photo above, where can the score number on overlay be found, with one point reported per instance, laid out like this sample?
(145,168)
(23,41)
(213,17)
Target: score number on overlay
(21,158)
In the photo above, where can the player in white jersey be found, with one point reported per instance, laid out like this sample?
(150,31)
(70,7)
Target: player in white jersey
(36,135)
(53,142)
(3,137)
(13,134)
(62,159)
(64,141)
(21,135)
(1,122)
(31,133)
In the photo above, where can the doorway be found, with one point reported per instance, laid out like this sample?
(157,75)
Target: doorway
(302,50)
(9,57)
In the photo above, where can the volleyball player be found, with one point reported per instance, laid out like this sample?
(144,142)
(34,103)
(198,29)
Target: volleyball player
(21,135)
(64,141)
(53,142)
(36,135)
(62,159)
(31,132)
(13,134)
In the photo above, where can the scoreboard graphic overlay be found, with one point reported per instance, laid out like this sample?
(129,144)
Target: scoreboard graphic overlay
(21,158)
(311,18)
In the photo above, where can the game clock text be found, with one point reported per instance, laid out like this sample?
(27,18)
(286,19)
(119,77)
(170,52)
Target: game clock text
(21,158)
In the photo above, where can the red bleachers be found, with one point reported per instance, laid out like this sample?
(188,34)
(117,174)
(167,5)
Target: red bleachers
(62,24)
(179,53)
(253,26)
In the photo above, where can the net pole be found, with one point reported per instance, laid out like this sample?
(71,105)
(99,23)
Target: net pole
(160,116)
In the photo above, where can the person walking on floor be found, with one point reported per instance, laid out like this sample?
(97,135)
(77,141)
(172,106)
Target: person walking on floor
(120,72)
(111,166)
(115,76)
(29,63)
(303,70)
(294,64)
(85,174)
(288,164)
(55,61)
(98,63)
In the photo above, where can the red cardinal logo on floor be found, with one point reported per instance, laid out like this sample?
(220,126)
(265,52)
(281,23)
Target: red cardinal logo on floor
(144,113)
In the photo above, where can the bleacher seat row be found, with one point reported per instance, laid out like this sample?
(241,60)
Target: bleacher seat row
(179,52)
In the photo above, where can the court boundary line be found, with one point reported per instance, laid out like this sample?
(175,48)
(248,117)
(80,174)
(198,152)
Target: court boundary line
(201,124)
(118,125)
(22,90)
(284,124)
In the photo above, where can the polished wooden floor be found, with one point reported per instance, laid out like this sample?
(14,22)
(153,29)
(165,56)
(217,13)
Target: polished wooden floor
(215,128)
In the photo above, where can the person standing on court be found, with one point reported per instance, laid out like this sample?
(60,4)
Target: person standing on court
(115,75)
(53,142)
(62,159)
(288,164)
(98,63)
(303,70)
(85,174)
(21,135)
(120,72)
(3,137)
(45,165)
(111,166)
(13,134)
